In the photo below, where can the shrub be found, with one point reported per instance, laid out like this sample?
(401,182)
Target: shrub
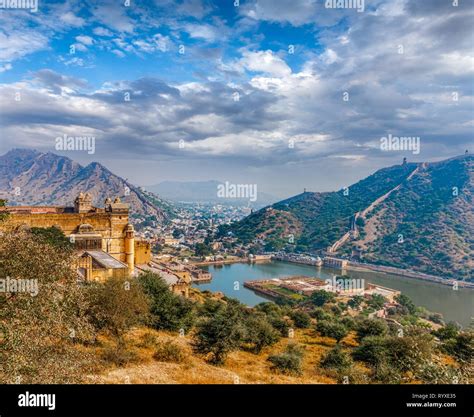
(260,333)
(220,334)
(319,298)
(117,305)
(300,319)
(335,330)
(372,350)
(168,311)
(288,362)
(169,352)
(406,302)
(376,301)
(336,359)
(371,327)
(450,331)
(38,332)
(119,355)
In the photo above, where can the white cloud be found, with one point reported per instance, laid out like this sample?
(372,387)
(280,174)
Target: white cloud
(85,40)
(202,31)
(266,62)
(100,31)
(72,20)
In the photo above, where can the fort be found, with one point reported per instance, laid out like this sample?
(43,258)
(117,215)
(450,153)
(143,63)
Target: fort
(103,238)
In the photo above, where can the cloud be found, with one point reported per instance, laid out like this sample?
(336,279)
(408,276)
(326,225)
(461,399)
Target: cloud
(202,31)
(266,62)
(85,40)
(72,20)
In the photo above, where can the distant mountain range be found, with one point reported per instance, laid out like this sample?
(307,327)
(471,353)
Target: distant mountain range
(204,191)
(417,216)
(30,177)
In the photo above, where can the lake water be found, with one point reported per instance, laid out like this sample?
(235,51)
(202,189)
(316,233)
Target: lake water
(453,305)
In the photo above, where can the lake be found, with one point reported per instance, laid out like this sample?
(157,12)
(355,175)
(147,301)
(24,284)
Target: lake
(454,305)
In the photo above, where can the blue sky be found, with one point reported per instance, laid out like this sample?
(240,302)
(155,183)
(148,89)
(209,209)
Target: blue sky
(253,91)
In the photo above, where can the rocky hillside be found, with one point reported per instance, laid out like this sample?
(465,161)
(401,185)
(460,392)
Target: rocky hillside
(32,177)
(418,216)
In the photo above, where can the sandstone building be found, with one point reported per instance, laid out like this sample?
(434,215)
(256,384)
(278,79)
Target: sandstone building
(103,237)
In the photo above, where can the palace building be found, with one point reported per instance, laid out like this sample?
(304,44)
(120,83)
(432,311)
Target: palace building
(103,237)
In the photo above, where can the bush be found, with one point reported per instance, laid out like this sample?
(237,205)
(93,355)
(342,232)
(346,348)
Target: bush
(168,311)
(335,330)
(260,333)
(119,355)
(169,352)
(220,334)
(288,362)
(38,330)
(117,305)
(371,327)
(372,350)
(300,319)
(336,359)
(319,298)
(450,331)
(406,302)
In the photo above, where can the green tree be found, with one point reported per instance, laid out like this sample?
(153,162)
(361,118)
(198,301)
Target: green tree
(220,334)
(335,330)
(39,327)
(117,305)
(371,327)
(168,311)
(288,362)
(319,298)
(260,333)
(336,359)
(372,350)
(52,236)
(301,319)
(406,302)
(201,249)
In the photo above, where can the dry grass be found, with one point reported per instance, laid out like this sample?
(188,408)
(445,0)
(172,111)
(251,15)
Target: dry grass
(241,367)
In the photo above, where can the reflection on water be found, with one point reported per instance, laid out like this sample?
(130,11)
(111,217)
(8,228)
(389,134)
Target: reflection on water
(453,305)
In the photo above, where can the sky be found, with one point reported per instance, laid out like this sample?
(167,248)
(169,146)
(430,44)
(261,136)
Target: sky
(285,94)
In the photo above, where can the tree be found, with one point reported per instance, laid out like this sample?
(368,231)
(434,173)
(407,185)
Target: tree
(319,298)
(300,319)
(289,361)
(220,334)
(201,249)
(355,301)
(168,311)
(371,327)
(406,302)
(52,236)
(450,331)
(39,326)
(336,359)
(260,333)
(335,330)
(376,301)
(117,305)
(372,350)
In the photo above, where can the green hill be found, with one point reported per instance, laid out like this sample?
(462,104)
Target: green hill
(425,222)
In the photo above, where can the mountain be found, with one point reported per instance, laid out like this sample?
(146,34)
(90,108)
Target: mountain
(417,216)
(37,178)
(204,192)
